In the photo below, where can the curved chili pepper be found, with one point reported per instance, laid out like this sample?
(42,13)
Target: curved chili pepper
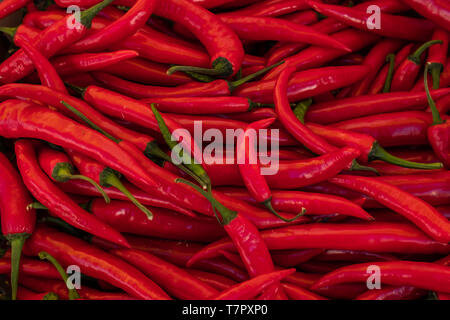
(372,237)
(251,288)
(351,255)
(118,30)
(439,131)
(392,129)
(177,282)
(305,17)
(392,26)
(406,73)
(271,8)
(424,275)
(9,6)
(436,10)
(94,262)
(21,33)
(58,167)
(437,56)
(105,177)
(298,293)
(29,267)
(292,258)
(50,41)
(355,107)
(417,211)
(214,280)
(48,76)
(55,200)
(393,293)
(265,28)
(166,224)
(25,294)
(221,42)
(17,219)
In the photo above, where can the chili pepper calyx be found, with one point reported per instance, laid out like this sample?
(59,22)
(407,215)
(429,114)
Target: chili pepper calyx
(88,15)
(268,204)
(359,167)
(62,171)
(79,90)
(11,32)
(415,57)
(50,296)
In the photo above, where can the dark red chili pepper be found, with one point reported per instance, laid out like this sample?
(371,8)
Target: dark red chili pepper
(17,219)
(124,217)
(355,107)
(94,262)
(221,42)
(352,256)
(391,26)
(305,17)
(417,211)
(393,293)
(214,280)
(271,8)
(58,167)
(48,76)
(57,201)
(88,3)
(9,6)
(53,39)
(406,74)
(118,30)
(424,275)
(382,82)
(392,129)
(251,288)
(372,237)
(25,294)
(264,28)
(177,282)
(436,10)
(437,55)
(298,293)
(439,131)
(292,258)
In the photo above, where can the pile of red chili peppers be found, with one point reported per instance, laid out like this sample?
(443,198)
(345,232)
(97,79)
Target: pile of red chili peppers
(97,106)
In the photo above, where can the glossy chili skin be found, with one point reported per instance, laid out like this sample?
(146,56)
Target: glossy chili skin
(423,215)
(48,75)
(94,262)
(30,267)
(314,203)
(54,98)
(298,293)
(393,129)
(355,107)
(214,280)
(125,217)
(9,6)
(53,39)
(271,8)
(392,26)
(424,275)
(372,237)
(118,30)
(57,201)
(177,282)
(304,84)
(437,11)
(439,137)
(251,288)
(265,28)
(223,45)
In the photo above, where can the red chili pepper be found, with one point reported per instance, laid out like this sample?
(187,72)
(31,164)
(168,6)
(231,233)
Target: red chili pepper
(216,281)
(53,39)
(48,76)
(177,282)
(58,167)
(94,262)
(55,200)
(391,26)
(372,237)
(251,288)
(437,55)
(406,74)
(292,258)
(298,293)
(220,41)
(393,293)
(21,33)
(166,224)
(9,6)
(17,219)
(29,267)
(417,211)
(352,256)
(271,8)
(264,28)
(436,10)
(25,294)
(355,107)
(424,275)
(444,79)
(392,129)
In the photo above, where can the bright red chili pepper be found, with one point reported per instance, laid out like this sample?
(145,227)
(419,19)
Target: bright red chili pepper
(53,39)
(57,201)
(94,262)
(436,10)
(48,76)
(9,6)
(424,275)
(221,42)
(417,211)
(271,8)
(406,74)
(17,219)
(177,282)
(214,280)
(166,224)
(29,267)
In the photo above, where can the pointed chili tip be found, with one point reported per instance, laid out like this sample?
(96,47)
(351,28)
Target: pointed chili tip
(268,205)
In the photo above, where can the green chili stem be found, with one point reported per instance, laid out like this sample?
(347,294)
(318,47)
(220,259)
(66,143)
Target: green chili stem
(268,205)
(17,241)
(434,111)
(233,85)
(436,69)
(87,15)
(73,294)
(50,296)
(220,67)
(301,108)
(9,31)
(37,206)
(387,84)
(415,57)
(358,167)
